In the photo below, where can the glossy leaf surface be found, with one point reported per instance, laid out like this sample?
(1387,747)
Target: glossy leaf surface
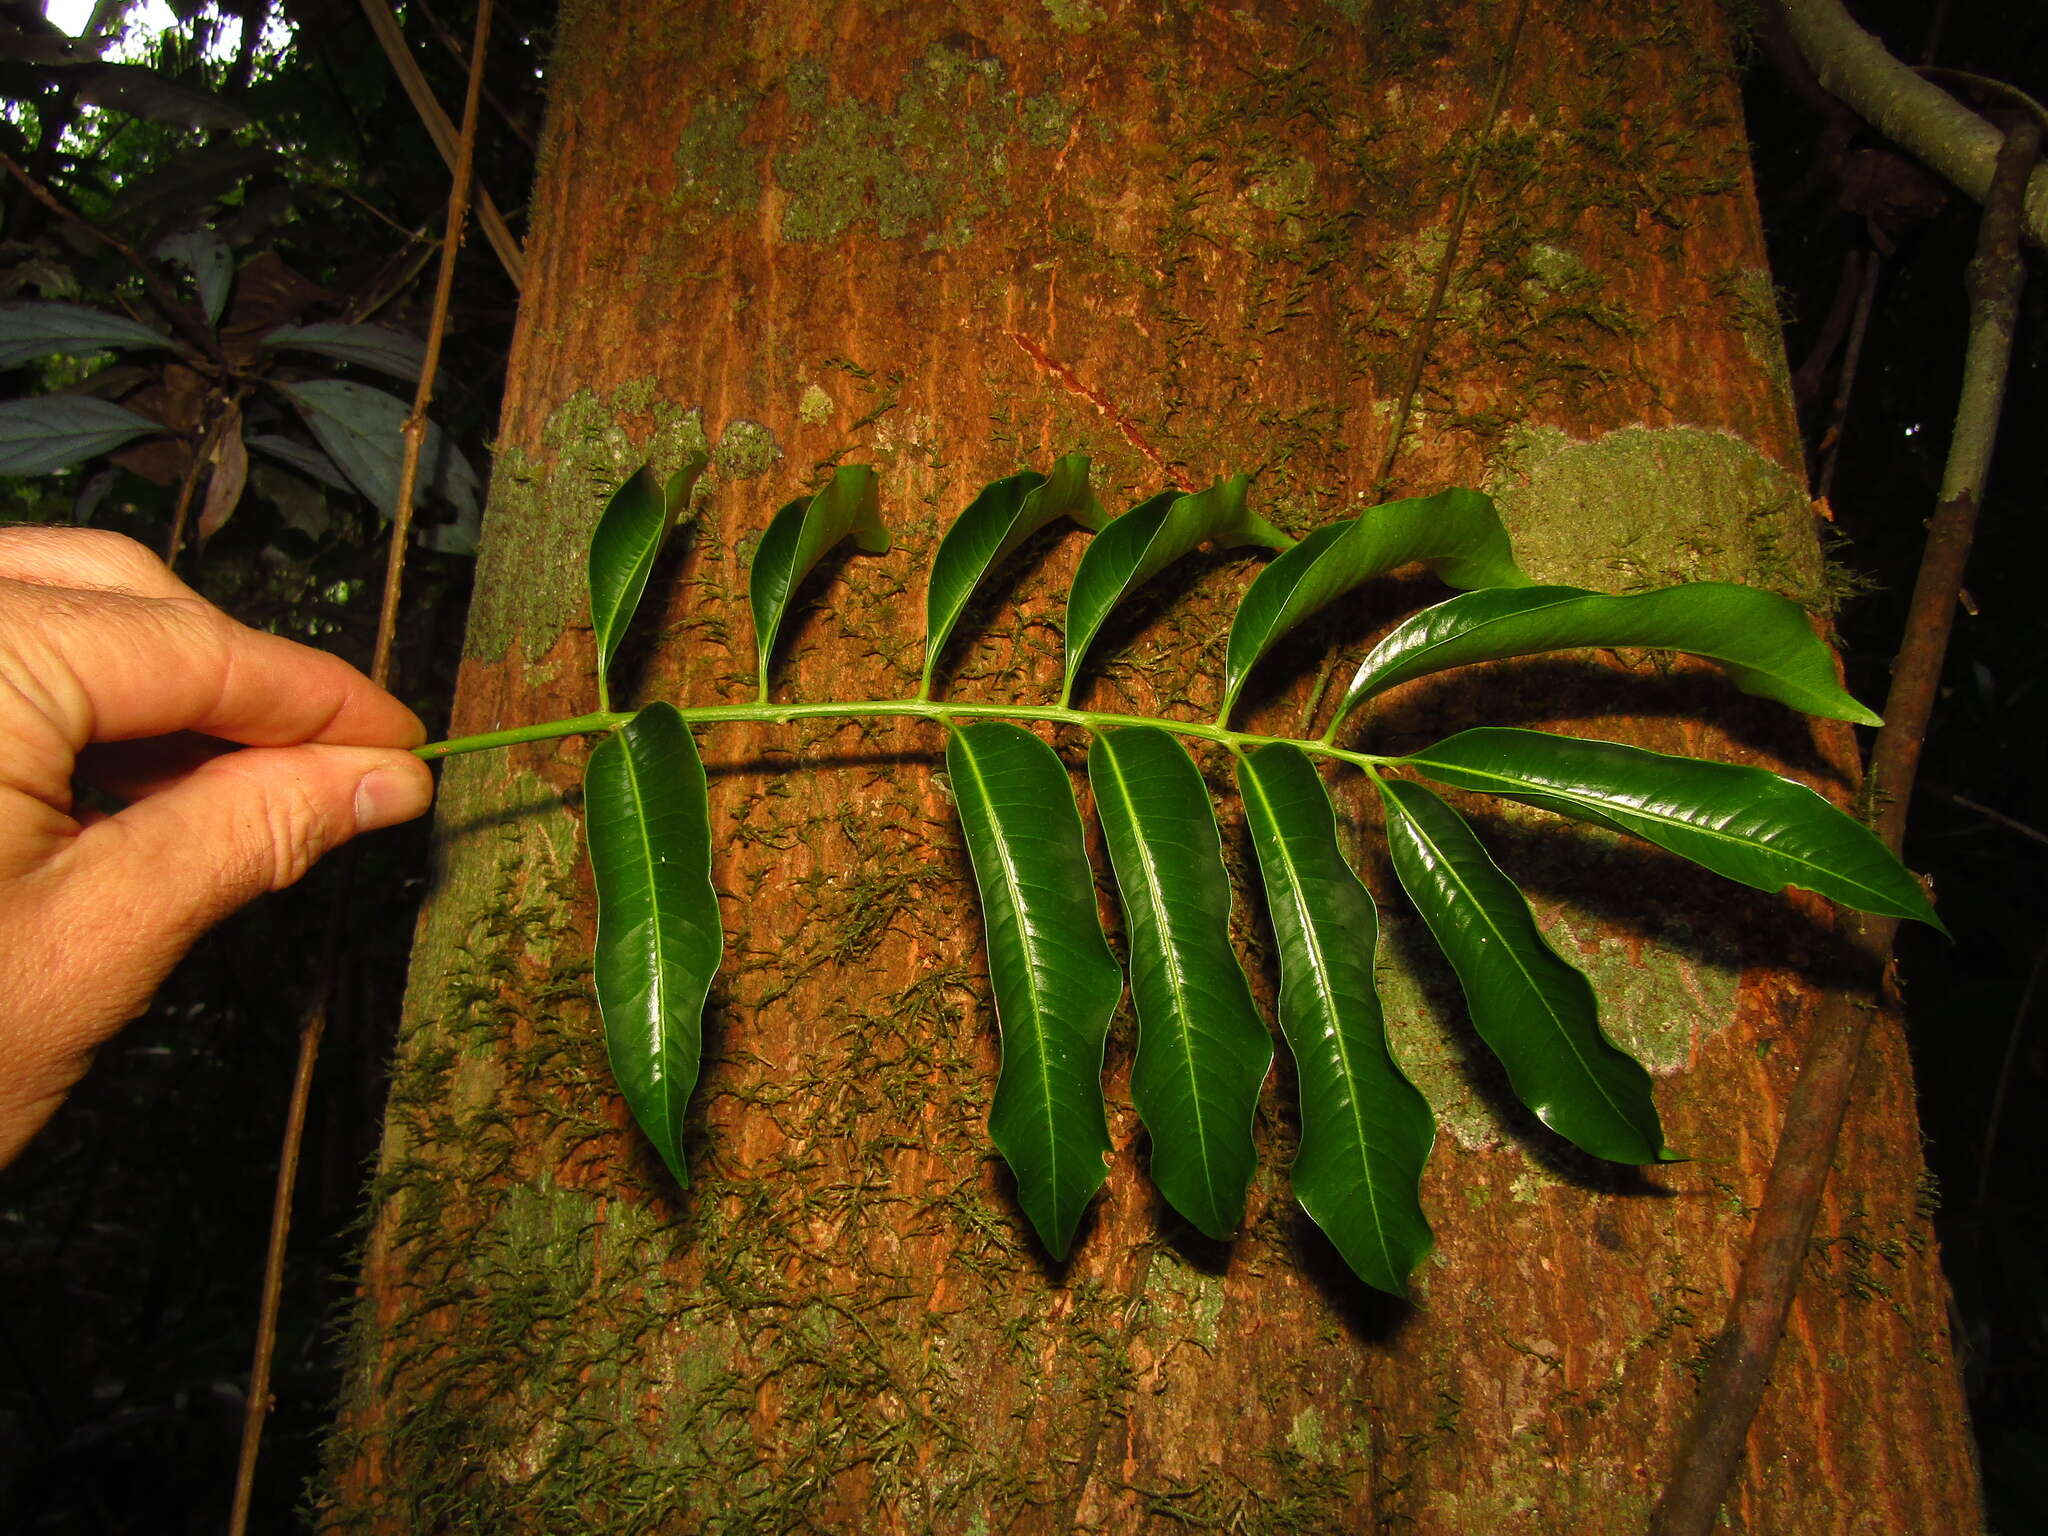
(624,544)
(1202,1049)
(1143,542)
(1745,823)
(360,429)
(995,524)
(1457,534)
(1762,641)
(307,460)
(647,819)
(46,433)
(1055,981)
(797,538)
(1535,1013)
(373,346)
(206,256)
(1365,1130)
(32,330)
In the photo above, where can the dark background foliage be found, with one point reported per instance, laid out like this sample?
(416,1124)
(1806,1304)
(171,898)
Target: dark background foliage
(131,1235)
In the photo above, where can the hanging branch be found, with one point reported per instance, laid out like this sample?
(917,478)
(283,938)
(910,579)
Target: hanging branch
(1713,1440)
(1425,332)
(1913,113)
(315,1026)
(175,310)
(442,132)
(416,424)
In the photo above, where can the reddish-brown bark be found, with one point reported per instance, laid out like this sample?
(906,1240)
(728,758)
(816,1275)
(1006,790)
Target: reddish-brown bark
(1189,242)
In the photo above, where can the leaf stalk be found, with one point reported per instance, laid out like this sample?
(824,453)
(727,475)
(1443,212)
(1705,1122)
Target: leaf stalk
(937,711)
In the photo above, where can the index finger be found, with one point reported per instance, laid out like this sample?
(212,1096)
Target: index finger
(114,647)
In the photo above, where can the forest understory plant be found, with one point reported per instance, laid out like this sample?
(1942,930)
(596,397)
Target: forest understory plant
(1203,1050)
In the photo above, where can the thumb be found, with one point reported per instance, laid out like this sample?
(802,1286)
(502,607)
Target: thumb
(180,859)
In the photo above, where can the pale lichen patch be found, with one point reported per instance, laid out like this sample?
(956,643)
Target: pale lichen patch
(556,497)
(1646,507)
(937,160)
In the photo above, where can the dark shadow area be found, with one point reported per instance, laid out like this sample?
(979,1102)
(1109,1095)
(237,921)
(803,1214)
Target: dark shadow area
(996,597)
(634,661)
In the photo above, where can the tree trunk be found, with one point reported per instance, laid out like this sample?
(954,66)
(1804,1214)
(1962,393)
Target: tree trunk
(954,241)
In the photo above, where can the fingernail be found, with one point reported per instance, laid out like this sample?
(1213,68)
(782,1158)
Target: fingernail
(387,796)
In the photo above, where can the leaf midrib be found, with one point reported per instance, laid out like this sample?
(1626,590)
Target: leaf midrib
(1155,894)
(1315,948)
(1013,888)
(1400,673)
(656,972)
(1582,797)
(1450,869)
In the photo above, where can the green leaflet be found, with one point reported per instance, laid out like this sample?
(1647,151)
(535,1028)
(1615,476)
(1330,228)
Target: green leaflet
(992,528)
(1745,823)
(1143,542)
(797,538)
(1365,1130)
(1763,642)
(1202,1049)
(1456,533)
(1056,982)
(623,546)
(1536,1013)
(647,819)
(38,329)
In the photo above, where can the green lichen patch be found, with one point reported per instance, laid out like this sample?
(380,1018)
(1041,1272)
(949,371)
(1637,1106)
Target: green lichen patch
(1076,16)
(1658,997)
(934,163)
(715,174)
(814,406)
(1647,507)
(589,445)
(746,451)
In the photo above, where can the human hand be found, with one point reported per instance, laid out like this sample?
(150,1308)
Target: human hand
(115,673)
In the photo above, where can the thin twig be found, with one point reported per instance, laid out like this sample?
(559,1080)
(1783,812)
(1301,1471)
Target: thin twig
(449,41)
(182,511)
(166,297)
(1713,1439)
(380,671)
(257,1408)
(1425,333)
(1988,1147)
(1999,817)
(1418,357)
(1838,419)
(392,39)
(416,423)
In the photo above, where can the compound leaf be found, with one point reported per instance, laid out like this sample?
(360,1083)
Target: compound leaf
(1365,1130)
(1143,542)
(647,818)
(1202,1049)
(51,432)
(623,547)
(1536,1013)
(1056,982)
(1457,534)
(31,330)
(1761,640)
(797,538)
(1745,823)
(992,528)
